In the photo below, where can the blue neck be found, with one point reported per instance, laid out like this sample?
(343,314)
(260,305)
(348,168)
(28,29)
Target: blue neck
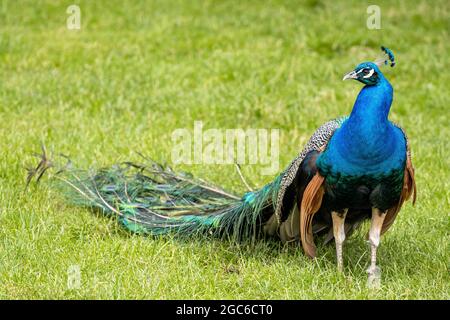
(367,138)
(371,108)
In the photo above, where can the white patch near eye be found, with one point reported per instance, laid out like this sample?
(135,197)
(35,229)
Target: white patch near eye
(369,74)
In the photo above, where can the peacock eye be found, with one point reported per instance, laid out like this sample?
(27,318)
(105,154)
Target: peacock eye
(365,71)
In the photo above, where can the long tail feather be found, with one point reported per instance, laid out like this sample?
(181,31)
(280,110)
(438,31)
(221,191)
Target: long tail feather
(153,199)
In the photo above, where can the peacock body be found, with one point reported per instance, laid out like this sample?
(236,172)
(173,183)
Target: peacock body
(365,158)
(352,168)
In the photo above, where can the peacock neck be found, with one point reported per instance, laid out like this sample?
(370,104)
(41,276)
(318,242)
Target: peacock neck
(371,108)
(367,136)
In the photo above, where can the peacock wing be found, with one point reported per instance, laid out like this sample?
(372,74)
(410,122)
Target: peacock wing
(316,143)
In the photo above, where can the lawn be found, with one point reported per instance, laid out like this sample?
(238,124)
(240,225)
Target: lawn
(138,70)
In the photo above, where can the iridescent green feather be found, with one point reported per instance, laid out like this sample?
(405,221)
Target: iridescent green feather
(153,199)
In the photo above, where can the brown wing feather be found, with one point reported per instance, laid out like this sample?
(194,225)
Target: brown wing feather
(409,188)
(311,202)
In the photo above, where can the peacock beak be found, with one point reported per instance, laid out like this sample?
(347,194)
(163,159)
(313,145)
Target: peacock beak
(350,75)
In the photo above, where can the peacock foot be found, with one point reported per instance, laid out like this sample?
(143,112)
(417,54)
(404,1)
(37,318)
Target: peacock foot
(374,278)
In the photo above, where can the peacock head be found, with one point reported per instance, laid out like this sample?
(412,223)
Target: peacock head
(369,72)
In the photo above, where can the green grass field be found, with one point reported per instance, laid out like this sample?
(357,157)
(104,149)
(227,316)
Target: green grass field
(138,70)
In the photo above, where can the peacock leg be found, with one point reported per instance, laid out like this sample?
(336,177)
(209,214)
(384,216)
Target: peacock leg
(374,238)
(339,235)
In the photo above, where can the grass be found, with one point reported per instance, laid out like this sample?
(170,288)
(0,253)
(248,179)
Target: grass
(138,70)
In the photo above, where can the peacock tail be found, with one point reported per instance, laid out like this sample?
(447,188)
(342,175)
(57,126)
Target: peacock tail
(153,199)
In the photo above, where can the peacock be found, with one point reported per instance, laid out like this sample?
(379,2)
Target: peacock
(352,169)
